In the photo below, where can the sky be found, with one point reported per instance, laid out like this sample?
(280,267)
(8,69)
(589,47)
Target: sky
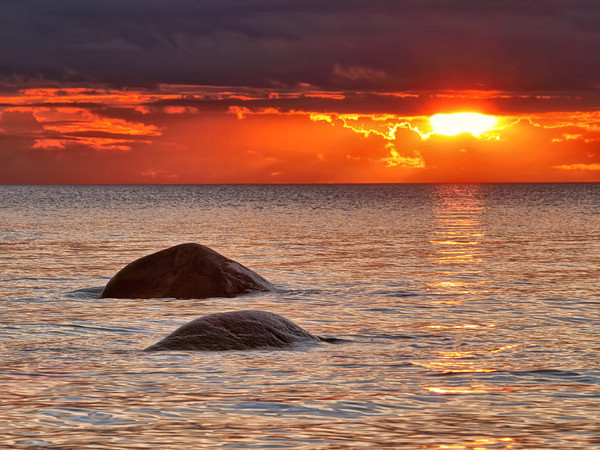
(128,92)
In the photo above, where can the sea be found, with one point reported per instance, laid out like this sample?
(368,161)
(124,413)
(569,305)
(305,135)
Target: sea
(468,314)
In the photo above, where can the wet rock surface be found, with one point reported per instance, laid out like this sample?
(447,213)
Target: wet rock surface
(237,330)
(184,271)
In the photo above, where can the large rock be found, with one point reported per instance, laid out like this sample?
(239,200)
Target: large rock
(237,330)
(184,271)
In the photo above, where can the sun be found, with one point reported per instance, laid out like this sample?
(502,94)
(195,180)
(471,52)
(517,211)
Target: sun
(464,122)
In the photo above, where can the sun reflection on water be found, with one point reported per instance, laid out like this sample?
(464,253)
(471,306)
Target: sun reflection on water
(474,389)
(480,444)
(438,327)
(457,244)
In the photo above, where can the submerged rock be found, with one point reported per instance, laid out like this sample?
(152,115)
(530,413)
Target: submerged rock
(184,271)
(237,330)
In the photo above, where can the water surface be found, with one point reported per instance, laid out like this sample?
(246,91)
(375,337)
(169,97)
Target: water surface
(472,310)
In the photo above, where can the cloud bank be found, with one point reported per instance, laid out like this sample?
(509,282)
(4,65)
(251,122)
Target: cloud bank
(375,45)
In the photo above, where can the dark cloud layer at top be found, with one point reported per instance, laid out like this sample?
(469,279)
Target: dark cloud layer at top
(525,45)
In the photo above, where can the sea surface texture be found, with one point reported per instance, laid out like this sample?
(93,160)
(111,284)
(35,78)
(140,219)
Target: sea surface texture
(472,315)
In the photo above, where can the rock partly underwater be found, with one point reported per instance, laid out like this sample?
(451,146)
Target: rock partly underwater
(184,271)
(237,330)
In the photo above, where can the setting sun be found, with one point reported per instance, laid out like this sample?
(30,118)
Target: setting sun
(465,122)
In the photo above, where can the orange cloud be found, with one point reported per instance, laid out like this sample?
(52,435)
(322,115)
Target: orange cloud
(384,126)
(157,175)
(95,143)
(102,124)
(327,95)
(241,111)
(180,110)
(57,96)
(594,166)
(195,134)
(463,157)
(49,144)
(57,127)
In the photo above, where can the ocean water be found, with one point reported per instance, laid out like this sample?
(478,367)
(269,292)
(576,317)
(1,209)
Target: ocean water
(472,314)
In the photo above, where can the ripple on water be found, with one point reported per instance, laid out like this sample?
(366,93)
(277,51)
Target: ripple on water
(469,310)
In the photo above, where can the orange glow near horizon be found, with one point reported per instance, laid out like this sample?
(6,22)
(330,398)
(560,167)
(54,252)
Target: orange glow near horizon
(211,134)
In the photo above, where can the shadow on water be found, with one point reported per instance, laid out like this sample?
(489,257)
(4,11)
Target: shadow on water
(86,293)
(334,340)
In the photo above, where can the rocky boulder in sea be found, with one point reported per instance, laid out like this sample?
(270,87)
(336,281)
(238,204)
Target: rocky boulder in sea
(236,330)
(184,271)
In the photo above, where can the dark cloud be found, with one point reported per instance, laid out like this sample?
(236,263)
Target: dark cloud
(411,104)
(381,45)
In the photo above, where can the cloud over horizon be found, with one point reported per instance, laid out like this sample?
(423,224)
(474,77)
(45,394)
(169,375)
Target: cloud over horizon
(378,45)
(303,91)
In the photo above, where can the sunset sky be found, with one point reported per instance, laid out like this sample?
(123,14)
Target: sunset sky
(299,91)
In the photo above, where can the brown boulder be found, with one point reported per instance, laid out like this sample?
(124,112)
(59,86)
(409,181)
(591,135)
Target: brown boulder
(236,330)
(184,271)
